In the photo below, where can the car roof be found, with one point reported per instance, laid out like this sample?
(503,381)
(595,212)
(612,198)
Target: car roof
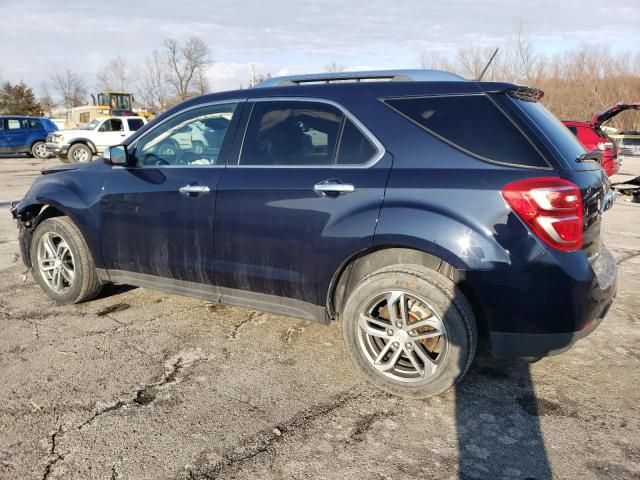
(23,116)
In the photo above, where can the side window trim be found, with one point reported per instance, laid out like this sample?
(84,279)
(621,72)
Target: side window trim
(228,141)
(234,161)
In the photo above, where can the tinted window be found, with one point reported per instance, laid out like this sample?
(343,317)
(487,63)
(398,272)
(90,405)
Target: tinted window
(472,123)
(194,138)
(355,148)
(112,125)
(135,123)
(291,133)
(573,129)
(555,131)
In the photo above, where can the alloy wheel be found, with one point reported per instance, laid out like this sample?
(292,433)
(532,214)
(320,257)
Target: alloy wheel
(402,336)
(55,262)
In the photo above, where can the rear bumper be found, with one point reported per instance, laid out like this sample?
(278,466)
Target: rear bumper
(561,298)
(520,345)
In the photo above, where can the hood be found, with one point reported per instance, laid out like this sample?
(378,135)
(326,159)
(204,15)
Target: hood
(72,131)
(65,167)
(599,118)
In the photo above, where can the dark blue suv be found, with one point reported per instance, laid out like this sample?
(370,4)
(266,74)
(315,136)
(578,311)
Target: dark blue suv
(420,210)
(19,134)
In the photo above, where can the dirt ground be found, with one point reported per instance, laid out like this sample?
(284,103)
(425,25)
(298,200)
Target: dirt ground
(140,384)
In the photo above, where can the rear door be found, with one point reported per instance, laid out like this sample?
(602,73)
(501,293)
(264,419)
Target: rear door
(16,135)
(303,195)
(158,215)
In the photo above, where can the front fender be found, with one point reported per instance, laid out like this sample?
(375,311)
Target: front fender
(75,194)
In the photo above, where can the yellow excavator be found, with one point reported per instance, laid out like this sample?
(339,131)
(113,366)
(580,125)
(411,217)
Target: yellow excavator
(105,104)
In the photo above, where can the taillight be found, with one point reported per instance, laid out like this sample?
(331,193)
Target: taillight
(551,207)
(604,146)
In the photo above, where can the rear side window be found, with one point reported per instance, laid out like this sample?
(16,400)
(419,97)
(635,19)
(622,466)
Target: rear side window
(474,124)
(135,124)
(299,133)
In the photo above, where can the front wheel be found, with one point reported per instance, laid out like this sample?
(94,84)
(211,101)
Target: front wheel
(38,150)
(79,153)
(409,330)
(62,263)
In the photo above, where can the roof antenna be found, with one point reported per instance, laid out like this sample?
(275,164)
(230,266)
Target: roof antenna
(495,52)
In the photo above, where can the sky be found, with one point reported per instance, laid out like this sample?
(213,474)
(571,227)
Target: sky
(289,37)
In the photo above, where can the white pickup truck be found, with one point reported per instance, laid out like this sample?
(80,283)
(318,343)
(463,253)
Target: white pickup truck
(81,144)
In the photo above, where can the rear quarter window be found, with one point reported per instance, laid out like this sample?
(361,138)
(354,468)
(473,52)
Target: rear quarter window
(135,124)
(473,124)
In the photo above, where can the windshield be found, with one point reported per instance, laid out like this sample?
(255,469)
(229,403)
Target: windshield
(91,125)
(117,101)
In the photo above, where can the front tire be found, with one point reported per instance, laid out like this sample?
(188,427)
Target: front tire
(409,330)
(80,153)
(62,263)
(38,150)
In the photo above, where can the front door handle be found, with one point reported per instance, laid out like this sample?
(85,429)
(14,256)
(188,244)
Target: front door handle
(193,190)
(333,187)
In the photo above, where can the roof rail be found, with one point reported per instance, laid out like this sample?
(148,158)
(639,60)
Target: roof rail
(374,75)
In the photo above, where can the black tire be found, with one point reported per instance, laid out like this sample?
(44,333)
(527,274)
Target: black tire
(79,153)
(38,150)
(86,284)
(445,300)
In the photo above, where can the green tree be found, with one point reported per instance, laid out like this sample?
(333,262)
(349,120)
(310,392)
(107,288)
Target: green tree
(18,99)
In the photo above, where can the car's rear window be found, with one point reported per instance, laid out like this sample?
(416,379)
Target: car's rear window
(557,134)
(135,123)
(474,124)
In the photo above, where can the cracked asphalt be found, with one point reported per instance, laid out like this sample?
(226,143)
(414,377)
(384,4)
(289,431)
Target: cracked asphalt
(139,384)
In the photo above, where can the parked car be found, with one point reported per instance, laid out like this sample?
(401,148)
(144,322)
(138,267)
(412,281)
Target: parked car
(81,144)
(420,213)
(593,137)
(20,134)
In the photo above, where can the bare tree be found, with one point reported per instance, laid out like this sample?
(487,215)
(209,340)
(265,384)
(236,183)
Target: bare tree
(116,75)
(187,64)
(153,85)
(334,67)
(46,100)
(69,87)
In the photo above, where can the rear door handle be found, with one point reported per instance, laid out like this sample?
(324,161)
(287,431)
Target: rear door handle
(192,190)
(332,187)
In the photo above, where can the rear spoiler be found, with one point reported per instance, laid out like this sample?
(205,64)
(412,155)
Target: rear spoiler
(528,94)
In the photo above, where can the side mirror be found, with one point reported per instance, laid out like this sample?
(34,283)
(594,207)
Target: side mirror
(116,155)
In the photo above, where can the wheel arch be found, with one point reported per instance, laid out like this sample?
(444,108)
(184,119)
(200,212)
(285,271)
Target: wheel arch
(363,263)
(86,142)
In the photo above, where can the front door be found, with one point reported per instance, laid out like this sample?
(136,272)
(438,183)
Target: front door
(304,195)
(111,132)
(158,215)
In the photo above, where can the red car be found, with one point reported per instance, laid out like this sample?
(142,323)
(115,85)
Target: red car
(593,137)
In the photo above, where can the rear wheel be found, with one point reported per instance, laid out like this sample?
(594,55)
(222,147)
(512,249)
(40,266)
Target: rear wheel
(62,263)
(38,150)
(79,153)
(410,331)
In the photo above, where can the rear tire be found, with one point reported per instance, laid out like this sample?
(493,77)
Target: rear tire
(80,153)
(38,150)
(421,346)
(62,263)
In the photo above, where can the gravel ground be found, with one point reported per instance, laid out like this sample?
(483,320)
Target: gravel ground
(140,384)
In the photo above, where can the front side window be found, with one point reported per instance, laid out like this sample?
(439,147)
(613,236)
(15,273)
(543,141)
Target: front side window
(301,133)
(194,138)
(472,123)
(112,125)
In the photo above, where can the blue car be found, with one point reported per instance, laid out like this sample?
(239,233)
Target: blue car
(420,210)
(19,134)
